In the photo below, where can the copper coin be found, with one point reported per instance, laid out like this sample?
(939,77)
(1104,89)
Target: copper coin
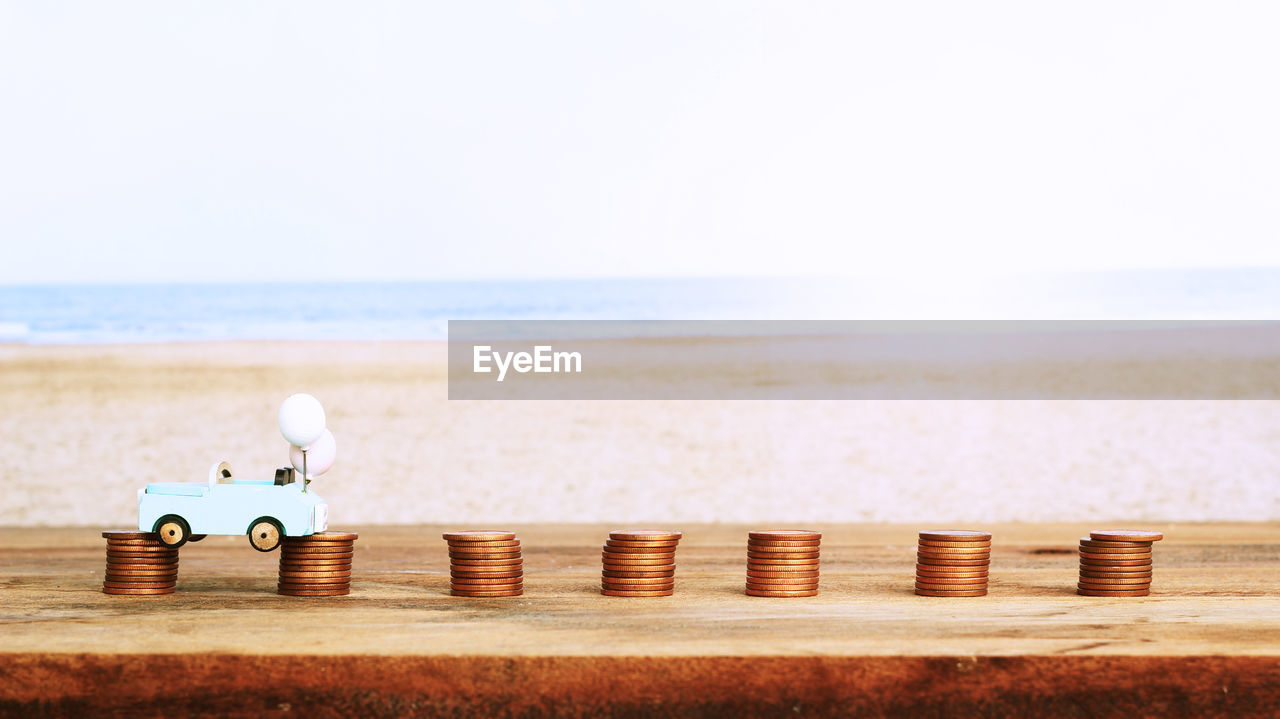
(645,534)
(615,558)
(485,581)
(775,549)
(955,535)
(944,543)
(483,595)
(940,584)
(314,561)
(325,537)
(479,535)
(1105,593)
(655,549)
(948,593)
(486,575)
(478,546)
(1104,569)
(781,593)
(781,544)
(314,592)
(1116,575)
(637,575)
(142,561)
(953,553)
(137,590)
(1143,558)
(634,551)
(782,582)
(959,553)
(482,564)
(312,581)
(781,575)
(311,586)
(773,552)
(138,585)
(935,570)
(782,568)
(131,576)
(504,554)
(637,593)
(1126,535)
(788,589)
(954,590)
(317,548)
(609,587)
(142,552)
(1097,583)
(317,559)
(946,562)
(143,568)
(169,557)
(785,535)
(343,574)
(638,567)
(928,579)
(1115,550)
(788,562)
(1088,542)
(638,582)
(516,557)
(320,557)
(122,543)
(129,534)
(315,568)
(640,543)
(784,555)
(951,577)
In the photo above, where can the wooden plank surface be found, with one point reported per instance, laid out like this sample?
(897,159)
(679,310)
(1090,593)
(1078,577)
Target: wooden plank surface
(399,636)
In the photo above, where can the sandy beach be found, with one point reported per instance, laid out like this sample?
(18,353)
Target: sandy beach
(84,427)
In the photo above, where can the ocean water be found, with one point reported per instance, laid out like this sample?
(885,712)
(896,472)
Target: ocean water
(93,314)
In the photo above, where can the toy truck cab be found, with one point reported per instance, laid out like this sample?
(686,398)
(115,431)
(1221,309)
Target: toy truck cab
(265,510)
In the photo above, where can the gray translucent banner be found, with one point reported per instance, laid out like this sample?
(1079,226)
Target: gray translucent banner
(590,359)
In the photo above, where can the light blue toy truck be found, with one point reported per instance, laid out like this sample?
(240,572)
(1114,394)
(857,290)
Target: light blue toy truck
(263,509)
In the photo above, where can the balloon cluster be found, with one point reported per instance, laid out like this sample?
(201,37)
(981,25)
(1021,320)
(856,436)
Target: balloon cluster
(302,424)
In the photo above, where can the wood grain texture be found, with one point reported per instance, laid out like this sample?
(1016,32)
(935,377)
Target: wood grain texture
(1207,642)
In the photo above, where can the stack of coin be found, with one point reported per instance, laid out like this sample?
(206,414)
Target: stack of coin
(317,565)
(783,563)
(485,563)
(952,563)
(139,563)
(1116,563)
(639,563)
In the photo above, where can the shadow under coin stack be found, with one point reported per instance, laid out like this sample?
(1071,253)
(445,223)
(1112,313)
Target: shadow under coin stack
(317,565)
(138,563)
(639,563)
(1116,563)
(952,563)
(485,563)
(783,563)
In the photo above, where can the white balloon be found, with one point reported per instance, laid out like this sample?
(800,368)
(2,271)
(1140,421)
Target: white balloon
(301,420)
(320,455)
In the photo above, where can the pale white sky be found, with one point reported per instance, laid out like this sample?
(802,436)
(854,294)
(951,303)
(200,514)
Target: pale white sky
(377,140)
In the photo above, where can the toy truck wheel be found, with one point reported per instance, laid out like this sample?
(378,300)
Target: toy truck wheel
(265,534)
(173,530)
